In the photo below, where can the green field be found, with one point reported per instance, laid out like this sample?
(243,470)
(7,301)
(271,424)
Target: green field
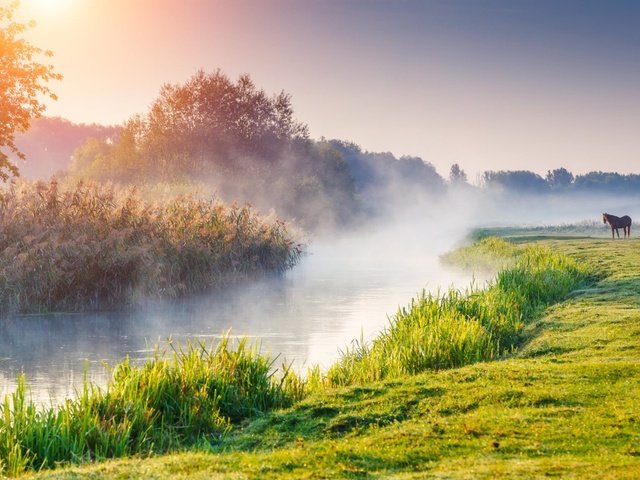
(565,404)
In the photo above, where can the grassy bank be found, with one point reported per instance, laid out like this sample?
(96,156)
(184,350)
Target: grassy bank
(458,328)
(88,247)
(189,398)
(563,405)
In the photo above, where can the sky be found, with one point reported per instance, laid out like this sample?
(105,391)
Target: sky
(488,84)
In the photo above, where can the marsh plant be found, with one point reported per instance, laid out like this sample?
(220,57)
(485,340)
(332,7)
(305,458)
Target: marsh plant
(89,247)
(179,398)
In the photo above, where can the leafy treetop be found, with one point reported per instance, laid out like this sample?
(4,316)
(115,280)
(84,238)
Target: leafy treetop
(23,82)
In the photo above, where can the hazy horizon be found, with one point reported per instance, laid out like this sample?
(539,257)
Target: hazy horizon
(490,85)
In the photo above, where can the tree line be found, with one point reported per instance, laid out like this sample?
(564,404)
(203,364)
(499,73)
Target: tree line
(560,180)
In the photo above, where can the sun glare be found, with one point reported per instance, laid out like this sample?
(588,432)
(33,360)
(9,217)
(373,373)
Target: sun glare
(48,5)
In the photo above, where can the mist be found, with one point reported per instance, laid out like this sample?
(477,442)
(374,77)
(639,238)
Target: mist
(344,289)
(351,280)
(373,226)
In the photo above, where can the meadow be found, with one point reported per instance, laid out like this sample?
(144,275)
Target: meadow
(83,246)
(555,396)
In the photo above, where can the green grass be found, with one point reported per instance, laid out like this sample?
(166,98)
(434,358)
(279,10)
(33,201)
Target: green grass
(457,328)
(583,229)
(564,404)
(191,397)
(488,254)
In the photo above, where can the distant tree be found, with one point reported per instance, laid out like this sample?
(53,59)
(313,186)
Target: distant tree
(518,180)
(607,182)
(375,172)
(50,142)
(559,179)
(22,85)
(93,151)
(457,175)
(415,170)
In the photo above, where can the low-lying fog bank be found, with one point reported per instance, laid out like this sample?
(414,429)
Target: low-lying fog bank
(343,289)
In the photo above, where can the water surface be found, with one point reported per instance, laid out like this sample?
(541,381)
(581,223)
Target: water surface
(339,292)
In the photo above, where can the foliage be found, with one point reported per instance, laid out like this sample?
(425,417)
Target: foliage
(519,180)
(386,184)
(235,137)
(607,182)
(168,403)
(23,83)
(90,247)
(383,171)
(209,121)
(457,175)
(559,178)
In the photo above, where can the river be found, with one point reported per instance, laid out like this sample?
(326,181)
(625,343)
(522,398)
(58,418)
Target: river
(342,290)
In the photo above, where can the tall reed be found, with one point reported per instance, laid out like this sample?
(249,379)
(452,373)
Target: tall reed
(90,247)
(457,328)
(191,396)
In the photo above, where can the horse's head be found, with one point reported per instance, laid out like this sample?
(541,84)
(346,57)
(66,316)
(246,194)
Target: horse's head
(604,217)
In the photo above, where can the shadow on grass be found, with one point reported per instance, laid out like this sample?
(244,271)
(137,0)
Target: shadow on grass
(351,410)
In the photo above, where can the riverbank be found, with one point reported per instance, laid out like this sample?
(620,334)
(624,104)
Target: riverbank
(563,404)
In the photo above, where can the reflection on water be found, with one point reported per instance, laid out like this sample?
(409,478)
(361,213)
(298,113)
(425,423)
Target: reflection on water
(335,295)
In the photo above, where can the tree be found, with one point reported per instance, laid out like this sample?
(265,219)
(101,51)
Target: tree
(457,175)
(22,82)
(559,179)
(50,142)
(234,137)
(93,150)
(607,182)
(212,120)
(515,180)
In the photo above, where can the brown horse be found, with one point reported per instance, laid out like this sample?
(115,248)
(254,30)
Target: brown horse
(618,222)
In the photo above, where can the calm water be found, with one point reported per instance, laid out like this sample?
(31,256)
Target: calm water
(342,290)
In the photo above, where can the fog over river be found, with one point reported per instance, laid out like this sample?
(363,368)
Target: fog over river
(342,289)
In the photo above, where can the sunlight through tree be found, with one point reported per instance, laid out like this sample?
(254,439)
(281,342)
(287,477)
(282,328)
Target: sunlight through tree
(22,85)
